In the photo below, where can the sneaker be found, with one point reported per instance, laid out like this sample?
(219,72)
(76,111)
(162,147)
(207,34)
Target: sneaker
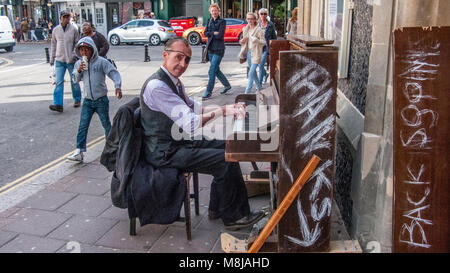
(225,90)
(246,221)
(265,78)
(57,108)
(76,104)
(76,156)
(206,96)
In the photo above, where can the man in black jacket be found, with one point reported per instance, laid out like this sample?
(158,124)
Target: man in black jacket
(166,111)
(215,31)
(99,40)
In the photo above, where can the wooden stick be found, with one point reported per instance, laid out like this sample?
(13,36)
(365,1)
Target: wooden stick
(283,207)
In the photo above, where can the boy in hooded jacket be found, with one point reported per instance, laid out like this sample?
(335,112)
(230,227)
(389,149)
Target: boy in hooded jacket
(93,73)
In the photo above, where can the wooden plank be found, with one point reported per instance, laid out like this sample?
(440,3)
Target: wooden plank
(308,84)
(421,140)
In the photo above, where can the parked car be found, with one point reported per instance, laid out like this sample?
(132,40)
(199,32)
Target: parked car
(181,23)
(233,32)
(153,31)
(7,40)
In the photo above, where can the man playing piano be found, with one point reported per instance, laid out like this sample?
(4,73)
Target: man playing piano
(166,111)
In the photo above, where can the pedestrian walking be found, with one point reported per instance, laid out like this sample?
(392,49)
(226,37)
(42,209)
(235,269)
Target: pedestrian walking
(215,31)
(252,44)
(25,28)
(45,29)
(18,30)
(100,41)
(92,69)
(64,39)
(269,34)
(292,23)
(32,30)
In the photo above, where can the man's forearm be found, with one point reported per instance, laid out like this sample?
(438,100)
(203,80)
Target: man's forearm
(210,113)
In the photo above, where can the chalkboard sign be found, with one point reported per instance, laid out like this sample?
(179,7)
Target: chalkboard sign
(421,139)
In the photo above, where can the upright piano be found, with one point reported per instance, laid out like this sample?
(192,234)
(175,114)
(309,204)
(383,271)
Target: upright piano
(288,122)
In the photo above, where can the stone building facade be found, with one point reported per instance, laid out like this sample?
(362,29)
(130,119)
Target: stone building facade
(363,186)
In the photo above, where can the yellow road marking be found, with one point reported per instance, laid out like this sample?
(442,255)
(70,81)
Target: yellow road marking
(47,167)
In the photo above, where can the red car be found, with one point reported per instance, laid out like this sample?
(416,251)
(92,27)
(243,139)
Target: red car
(180,24)
(233,32)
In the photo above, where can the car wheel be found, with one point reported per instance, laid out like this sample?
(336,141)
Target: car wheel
(9,48)
(154,39)
(194,38)
(114,40)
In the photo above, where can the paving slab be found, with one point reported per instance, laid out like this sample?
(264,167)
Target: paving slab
(36,222)
(174,241)
(47,200)
(87,205)
(6,236)
(91,186)
(74,247)
(32,244)
(83,229)
(93,171)
(115,213)
(119,237)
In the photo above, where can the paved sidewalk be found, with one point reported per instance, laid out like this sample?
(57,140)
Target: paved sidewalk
(66,207)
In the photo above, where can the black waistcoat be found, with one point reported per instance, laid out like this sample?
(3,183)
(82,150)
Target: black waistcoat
(162,137)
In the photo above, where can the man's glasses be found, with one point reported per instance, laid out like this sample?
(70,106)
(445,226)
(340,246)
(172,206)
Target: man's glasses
(263,14)
(187,59)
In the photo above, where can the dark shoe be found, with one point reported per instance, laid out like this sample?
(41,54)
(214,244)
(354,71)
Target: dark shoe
(56,108)
(76,104)
(212,215)
(247,221)
(225,90)
(206,96)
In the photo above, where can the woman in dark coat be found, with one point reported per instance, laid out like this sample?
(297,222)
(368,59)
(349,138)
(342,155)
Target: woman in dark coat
(270,34)
(215,31)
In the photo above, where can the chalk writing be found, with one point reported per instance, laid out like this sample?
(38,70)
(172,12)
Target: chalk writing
(314,83)
(417,118)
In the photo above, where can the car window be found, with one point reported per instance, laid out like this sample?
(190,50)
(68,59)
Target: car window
(232,22)
(132,24)
(164,24)
(145,23)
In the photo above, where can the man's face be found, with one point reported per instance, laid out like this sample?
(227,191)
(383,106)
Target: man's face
(86,51)
(176,59)
(87,29)
(65,20)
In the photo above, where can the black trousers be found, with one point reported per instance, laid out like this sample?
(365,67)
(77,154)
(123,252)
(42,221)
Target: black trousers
(228,195)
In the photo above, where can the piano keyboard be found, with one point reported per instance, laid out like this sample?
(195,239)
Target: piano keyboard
(249,123)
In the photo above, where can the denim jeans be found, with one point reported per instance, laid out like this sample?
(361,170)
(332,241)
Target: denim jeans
(214,71)
(262,70)
(58,94)
(89,107)
(252,75)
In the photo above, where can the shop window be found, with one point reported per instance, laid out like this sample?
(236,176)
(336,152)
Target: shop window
(138,8)
(99,15)
(338,17)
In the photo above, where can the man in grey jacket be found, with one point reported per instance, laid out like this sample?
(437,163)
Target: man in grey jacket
(92,69)
(64,39)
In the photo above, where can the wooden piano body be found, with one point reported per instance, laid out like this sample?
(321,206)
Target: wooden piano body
(303,76)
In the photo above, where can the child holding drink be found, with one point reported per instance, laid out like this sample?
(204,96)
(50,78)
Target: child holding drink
(92,70)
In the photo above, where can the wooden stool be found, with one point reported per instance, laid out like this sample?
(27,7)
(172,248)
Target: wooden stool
(186,204)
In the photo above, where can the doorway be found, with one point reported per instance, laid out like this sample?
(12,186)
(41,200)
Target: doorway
(112,15)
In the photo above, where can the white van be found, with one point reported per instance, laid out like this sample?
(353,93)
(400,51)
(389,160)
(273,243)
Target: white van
(7,40)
